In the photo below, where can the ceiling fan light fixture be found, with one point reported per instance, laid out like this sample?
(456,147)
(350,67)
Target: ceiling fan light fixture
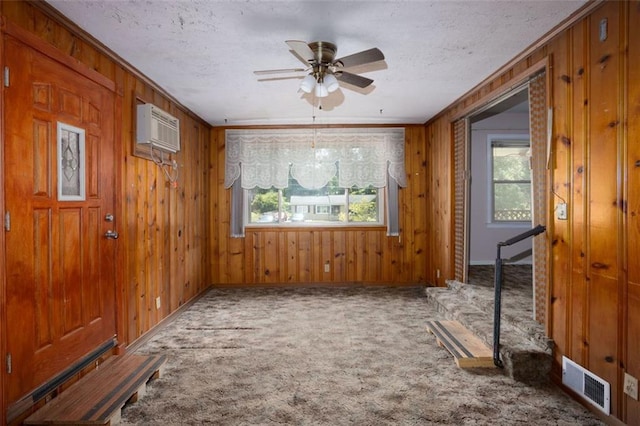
(331,82)
(321,90)
(308,83)
(320,58)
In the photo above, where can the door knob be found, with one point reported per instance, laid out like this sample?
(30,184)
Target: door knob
(111,234)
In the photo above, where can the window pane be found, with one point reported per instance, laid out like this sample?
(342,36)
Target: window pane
(512,202)
(263,204)
(327,205)
(511,163)
(363,205)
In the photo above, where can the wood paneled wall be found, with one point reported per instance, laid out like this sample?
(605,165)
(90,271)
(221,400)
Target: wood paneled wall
(163,229)
(164,225)
(268,256)
(594,301)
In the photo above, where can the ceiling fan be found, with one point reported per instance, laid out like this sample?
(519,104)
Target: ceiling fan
(325,71)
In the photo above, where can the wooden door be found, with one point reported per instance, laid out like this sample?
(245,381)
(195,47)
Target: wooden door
(60,265)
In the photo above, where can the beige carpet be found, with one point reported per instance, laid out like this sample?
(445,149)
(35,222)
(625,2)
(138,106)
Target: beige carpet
(333,356)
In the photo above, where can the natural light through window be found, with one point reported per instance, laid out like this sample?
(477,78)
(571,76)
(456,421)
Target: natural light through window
(329,205)
(511,181)
(315,177)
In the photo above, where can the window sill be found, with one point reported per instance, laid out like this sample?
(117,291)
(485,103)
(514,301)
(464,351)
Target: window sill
(314,226)
(510,225)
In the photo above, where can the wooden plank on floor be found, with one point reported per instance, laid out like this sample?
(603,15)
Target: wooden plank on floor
(97,398)
(467,349)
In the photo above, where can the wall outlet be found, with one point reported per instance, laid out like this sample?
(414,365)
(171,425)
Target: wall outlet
(437,273)
(561,211)
(158,303)
(631,386)
(327,267)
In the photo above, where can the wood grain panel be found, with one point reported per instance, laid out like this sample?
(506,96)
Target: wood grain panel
(43,277)
(577,198)
(339,256)
(42,146)
(70,232)
(441,181)
(632,214)
(92,233)
(603,232)
(70,105)
(42,96)
(558,229)
(90,113)
(305,247)
(92,155)
(416,193)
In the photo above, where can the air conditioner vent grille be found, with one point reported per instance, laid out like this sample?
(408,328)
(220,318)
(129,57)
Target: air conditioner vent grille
(586,384)
(594,390)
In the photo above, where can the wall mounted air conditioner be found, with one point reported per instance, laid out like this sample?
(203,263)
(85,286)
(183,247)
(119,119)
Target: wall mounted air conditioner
(586,384)
(157,128)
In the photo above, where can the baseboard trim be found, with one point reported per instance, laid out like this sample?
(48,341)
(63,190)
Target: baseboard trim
(136,344)
(318,285)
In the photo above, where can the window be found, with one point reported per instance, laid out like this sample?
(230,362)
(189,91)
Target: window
(510,180)
(314,177)
(329,205)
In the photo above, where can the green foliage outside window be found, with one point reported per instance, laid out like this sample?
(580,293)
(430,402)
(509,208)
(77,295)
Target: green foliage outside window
(267,205)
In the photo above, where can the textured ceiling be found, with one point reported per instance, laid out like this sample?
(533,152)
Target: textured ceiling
(204,52)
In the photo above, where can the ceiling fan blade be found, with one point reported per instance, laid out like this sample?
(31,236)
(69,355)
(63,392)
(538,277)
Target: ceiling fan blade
(361,58)
(354,79)
(302,49)
(280,71)
(291,77)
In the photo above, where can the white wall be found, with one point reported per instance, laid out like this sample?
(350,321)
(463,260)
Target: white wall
(482,233)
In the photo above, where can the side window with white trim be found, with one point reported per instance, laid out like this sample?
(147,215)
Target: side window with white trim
(510,181)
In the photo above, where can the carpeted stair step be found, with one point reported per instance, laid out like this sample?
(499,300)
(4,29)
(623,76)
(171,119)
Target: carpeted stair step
(524,358)
(483,298)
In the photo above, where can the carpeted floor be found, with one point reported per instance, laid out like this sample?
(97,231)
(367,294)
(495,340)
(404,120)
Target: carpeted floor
(332,356)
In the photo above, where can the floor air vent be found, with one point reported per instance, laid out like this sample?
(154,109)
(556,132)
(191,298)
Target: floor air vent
(585,383)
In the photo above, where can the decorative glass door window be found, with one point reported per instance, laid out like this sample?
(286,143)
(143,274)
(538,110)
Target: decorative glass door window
(71,162)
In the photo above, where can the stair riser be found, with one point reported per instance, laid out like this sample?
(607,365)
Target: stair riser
(530,365)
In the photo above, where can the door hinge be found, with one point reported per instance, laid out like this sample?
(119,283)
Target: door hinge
(9,368)
(6,76)
(7,221)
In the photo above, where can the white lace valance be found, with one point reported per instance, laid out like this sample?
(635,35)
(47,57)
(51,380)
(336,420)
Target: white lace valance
(360,157)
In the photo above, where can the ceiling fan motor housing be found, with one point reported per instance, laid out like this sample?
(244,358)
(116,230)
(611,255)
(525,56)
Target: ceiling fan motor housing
(323,52)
